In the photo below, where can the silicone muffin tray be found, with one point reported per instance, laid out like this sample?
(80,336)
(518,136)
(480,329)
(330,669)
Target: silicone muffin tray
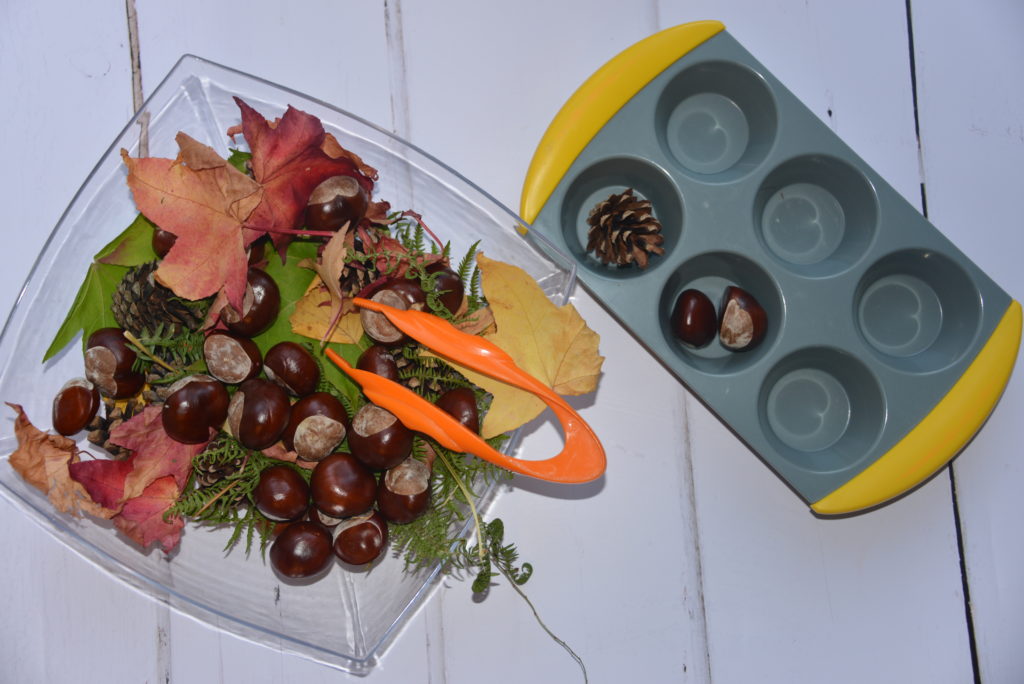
(886,348)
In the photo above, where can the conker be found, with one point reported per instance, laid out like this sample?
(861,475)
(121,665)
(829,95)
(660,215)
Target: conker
(290,365)
(317,424)
(231,358)
(379,361)
(302,549)
(376,325)
(162,241)
(196,405)
(362,539)
(341,486)
(404,491)
(260,305)
(378,438)
(74,406)
(693,319)
(410,290)
(742,322)
(281,493)
(108,364)
(460,404)
(258,413)
(335,202)
(448,286)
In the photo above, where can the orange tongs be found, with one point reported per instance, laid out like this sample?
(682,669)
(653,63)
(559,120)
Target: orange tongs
(581,460)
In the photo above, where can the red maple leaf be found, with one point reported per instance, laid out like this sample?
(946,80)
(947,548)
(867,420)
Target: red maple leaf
(154,453)
(289,161)
(103,479)
(204,201)
(142,518)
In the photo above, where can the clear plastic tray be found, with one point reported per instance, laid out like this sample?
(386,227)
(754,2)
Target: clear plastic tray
(344,619)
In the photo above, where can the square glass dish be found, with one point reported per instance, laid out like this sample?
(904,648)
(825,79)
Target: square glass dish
(345,618)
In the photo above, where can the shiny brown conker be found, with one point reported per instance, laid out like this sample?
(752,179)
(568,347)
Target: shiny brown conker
(335,202)
(74,406)
(378,438)
(410,290)
(258,413)
(341,486)
(108,364)
(290,365)
(281,493)
(317,424)
(302,549)
(404,491)
(162,241)
(361,540)
(694,321)
(379,361)
(460,404)
(742,322)
(260,305)
(231,358)
(447,286)
(196,405)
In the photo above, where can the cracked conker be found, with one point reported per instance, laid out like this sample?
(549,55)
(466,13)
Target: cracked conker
(404,491)
(74,406)
(260,305)
(694,321)
(281,493)
(379,361)
(460,404)
(742,322)
(290,365)
(341,486)
(258,413)
(302,549)
(378,438)
(317,424)
(335,202)
(231,358)
(362,539)
(195,405)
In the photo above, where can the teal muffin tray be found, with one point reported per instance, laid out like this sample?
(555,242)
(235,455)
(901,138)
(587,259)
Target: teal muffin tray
(885,347)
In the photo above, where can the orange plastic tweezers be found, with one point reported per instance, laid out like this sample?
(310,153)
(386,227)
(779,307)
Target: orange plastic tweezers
(581,460)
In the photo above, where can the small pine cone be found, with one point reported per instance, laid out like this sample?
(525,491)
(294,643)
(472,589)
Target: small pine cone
(113,415)
(354,277)
(143,306)
(156,390)
(624,231)
(210,474)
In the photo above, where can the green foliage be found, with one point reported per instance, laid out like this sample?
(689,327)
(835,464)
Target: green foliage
(91,309)
(238,159)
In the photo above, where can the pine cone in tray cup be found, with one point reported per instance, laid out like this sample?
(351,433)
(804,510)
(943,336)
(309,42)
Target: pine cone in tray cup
(623,230)
(144,307)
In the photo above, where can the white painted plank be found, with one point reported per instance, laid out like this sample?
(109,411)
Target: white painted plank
(970,70)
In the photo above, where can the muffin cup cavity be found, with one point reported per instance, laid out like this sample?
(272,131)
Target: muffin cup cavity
(716,121)
(917,310)
(612,176)
(821,409)
(816,215)
(711,273)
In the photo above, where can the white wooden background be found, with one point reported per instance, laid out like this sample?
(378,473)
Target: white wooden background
(691,562)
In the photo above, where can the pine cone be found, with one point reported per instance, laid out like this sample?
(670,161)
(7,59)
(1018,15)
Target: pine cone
(114,415)
(144,307)
(624,231)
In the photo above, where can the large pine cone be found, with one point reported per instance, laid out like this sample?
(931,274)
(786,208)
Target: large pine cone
(623,230)
(144,307)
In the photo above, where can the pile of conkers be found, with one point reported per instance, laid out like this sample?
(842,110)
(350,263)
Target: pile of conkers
(740,324)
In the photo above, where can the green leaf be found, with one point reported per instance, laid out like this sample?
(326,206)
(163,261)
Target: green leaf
(91,309)
(237,158)
(133,247)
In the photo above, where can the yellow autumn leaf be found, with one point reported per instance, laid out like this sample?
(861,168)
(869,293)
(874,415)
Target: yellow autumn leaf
(312,316)
(551,343)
